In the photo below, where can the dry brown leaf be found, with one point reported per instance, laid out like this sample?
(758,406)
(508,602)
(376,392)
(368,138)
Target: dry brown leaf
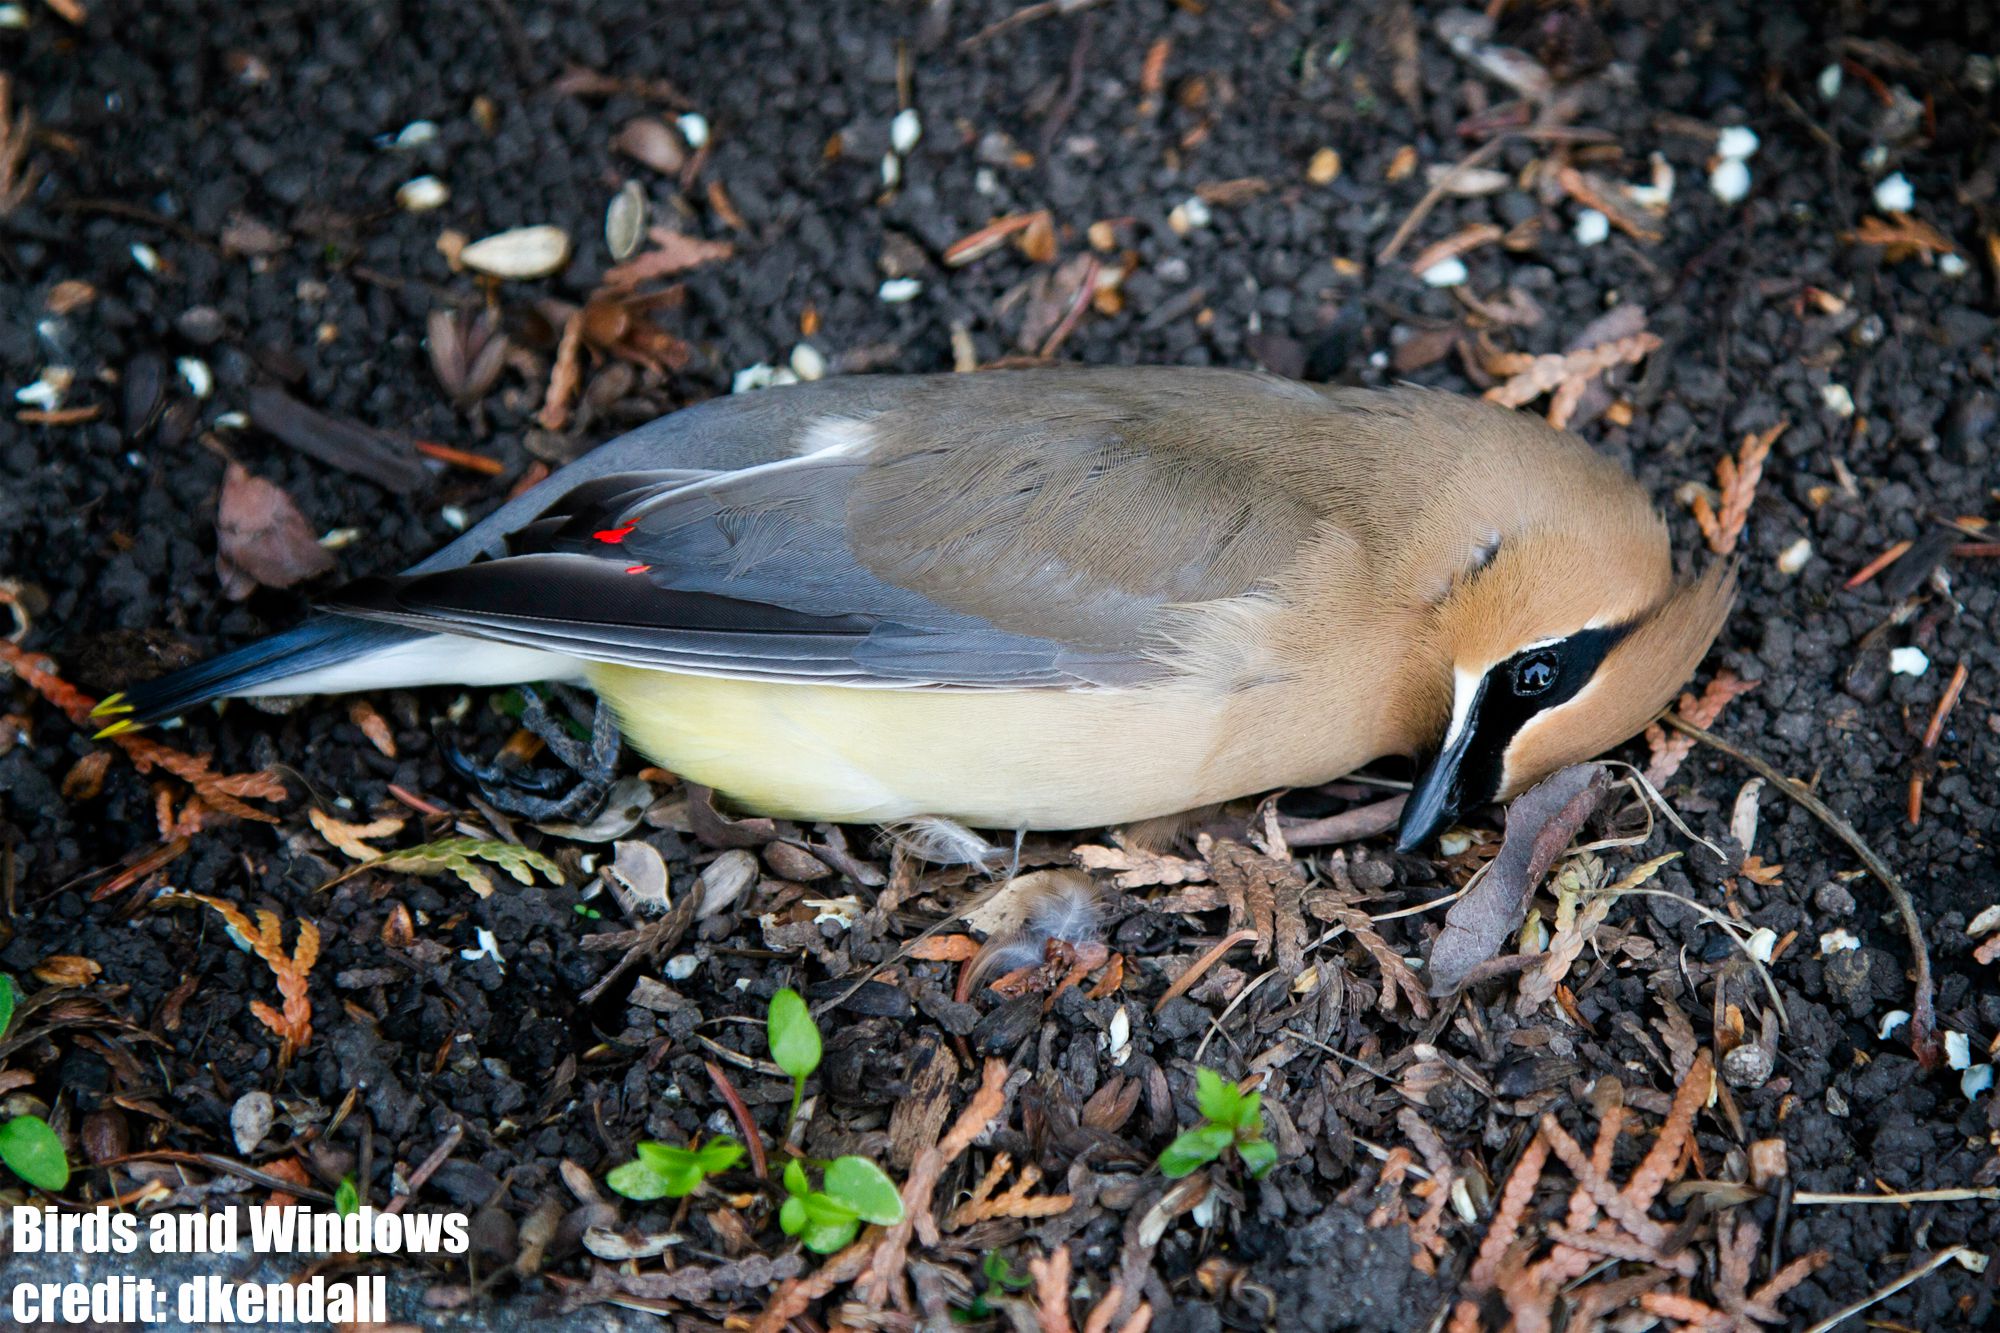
(1461,242)
(67,969)
(292,1024)
(1901,238)
(567,376)
(85,779)
(1593,191)
(983,1205)
(351,839)
(1565,375)
(945,949)
(1132,868)
(1670,751)
(996,233)
(1738,478)
(673,252)
(261,538)
(374,726)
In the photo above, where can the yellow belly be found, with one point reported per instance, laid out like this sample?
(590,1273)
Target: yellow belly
(1000,759)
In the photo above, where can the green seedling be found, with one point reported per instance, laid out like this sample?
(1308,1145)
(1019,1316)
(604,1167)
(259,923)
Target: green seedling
(28,1146)
(1000,1281)
(794,1042)
(662,1172)
(32,1151)
(854,1191)
(346,1198)
(1230,1119)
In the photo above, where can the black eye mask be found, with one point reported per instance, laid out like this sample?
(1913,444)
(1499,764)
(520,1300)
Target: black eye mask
(1468,773)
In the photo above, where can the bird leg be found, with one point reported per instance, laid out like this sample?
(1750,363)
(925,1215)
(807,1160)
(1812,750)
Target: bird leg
(533,793)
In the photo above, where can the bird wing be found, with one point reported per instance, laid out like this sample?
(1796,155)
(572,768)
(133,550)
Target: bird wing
(966,535)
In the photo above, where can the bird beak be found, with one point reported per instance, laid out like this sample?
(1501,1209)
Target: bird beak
(1434,800)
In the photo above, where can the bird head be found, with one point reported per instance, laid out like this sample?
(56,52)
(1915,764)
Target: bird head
(1565,640)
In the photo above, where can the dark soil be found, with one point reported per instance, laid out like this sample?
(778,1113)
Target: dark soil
(175,126)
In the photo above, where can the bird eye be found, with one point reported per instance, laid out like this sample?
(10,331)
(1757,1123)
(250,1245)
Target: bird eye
(1534,674)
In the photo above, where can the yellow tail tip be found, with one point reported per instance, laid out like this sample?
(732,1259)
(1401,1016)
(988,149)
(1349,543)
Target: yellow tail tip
(111,706)
(118,728)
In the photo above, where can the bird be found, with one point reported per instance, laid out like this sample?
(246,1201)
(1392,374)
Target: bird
(1049,598)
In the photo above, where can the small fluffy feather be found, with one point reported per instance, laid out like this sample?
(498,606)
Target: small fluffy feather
(1060,907)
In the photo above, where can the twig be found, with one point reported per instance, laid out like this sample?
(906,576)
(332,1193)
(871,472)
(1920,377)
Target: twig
(1939,1260)
(1877,565)
(1932,734)
(1923,1018)
(1962,1195)
(428,1168)
(1348,826)
(1027,14)
(1478,157)
(1085,290)
(1202,964)
(751,1139)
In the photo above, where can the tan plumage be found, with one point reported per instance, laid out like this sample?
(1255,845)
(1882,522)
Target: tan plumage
(1069,598)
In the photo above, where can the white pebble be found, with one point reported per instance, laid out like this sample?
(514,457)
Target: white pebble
(1446,273)
(45,393)
(1958,1050)
(1190,214)
(1829,82)
(1976,1080)
(416,134)
(1894,194)
(1985,923)
(1892,1020)
(195,373)
(892,171)
(1661,192)
(694,128)
(1794,557)
(1730,180)
(13,16)
(1453,841)
(1875,158)
(895,291)
(1762,943)
(763,375)
(1909,662)
(146,257)
(905,130)
(681,966)
(1735,143)
(422,194)
(807,363)
(1837,941)
(1592,227)
(232,421)
(1952,265)
(489,947)
(1838,400)
(1118,1039)
(455,518)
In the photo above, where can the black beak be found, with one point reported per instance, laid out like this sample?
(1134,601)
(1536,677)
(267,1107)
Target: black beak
(1437,796)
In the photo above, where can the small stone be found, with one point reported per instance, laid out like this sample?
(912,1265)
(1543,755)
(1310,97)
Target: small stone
(1735,143)
(1848,977)
(899,291)
(1838,399)
(1324,169)
(1729,181)
(1829,82)
(1892,1020)
(694,129)
(1894,194)
(1592,227)
(1909,661)
(1794,557)
(1834,898)
(422,194)
(1748,1066)
(1446,273)
(905,130)
(807,363)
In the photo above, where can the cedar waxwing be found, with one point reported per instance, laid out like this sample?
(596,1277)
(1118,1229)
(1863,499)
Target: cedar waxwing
(1051,599)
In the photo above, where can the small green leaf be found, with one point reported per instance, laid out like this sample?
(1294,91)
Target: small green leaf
(795,1179)
(1000,1273)
(6,1002)
(683,1180)
(32,1151)
(792,1217)
(826,1237)
(794,1037)
(661,1157)
(719,1155)
(826,1208)
(862,1186)
(637,1181)
(1218,1100)
(458,855)
(1188,1154)
(1260,1155)
(346,1198)
(1250,1115)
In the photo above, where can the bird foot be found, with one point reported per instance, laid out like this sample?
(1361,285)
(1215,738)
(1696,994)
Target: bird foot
(542,794)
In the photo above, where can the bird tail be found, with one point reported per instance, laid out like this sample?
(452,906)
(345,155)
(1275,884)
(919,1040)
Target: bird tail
(321,643)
